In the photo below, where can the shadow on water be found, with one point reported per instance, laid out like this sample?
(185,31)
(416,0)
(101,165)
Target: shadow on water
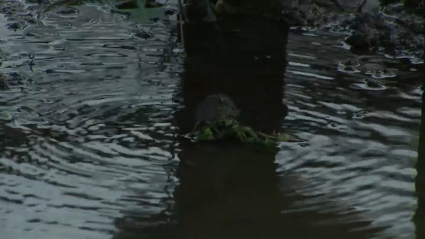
(229,190)
(241,58)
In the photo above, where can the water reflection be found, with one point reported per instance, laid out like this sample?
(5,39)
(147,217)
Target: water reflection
(230,190)
(243,59)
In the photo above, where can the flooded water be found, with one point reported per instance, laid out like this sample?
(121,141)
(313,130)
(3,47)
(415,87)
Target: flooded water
(94,102)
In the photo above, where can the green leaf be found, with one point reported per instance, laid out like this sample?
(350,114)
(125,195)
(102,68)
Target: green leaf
(206,134)
(283,138)
(249,140)
(228,128)
(269,143)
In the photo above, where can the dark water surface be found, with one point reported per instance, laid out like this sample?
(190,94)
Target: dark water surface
(95,102)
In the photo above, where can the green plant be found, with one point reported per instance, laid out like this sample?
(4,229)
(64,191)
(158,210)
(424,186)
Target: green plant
(226,128)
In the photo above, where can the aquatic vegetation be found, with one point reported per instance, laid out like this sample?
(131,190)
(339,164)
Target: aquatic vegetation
(216,116)
(227,128)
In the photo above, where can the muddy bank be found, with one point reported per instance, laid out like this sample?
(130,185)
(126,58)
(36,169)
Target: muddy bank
(387,29)
(397,29)
(391,30)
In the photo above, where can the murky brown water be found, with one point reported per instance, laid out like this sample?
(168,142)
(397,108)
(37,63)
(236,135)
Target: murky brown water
(95,102)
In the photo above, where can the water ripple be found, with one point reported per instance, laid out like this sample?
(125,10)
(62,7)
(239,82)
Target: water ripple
(97,136)
(373,146)
(87,115)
